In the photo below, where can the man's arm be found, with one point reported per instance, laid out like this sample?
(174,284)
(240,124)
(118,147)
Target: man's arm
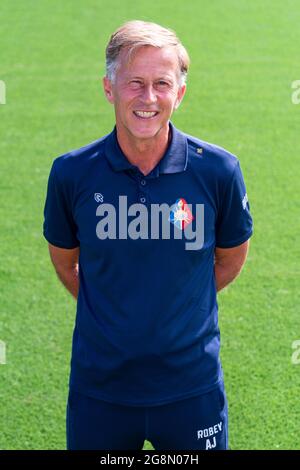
(65,262)
(229,263)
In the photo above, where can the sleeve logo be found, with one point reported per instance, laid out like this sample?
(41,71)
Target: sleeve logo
(244,201)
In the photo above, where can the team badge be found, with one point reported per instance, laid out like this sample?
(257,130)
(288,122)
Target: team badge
(180,214)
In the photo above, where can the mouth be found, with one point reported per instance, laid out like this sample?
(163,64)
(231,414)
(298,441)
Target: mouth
(145,114)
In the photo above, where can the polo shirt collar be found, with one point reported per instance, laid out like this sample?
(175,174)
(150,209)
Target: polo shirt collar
(173,161)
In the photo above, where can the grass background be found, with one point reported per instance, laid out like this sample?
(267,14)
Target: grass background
(245,56)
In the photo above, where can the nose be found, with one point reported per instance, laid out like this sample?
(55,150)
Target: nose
(148,94)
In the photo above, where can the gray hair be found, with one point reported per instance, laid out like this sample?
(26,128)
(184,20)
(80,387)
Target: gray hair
(135,34)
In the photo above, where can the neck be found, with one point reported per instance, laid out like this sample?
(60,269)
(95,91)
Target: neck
(144,153)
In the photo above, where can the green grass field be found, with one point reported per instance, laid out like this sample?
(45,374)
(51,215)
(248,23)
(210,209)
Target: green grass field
(245,55)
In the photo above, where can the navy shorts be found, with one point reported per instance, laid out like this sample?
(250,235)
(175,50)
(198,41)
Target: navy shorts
(197,423)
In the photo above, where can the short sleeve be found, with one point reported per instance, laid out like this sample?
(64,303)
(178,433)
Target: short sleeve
(234,222)
(59,227)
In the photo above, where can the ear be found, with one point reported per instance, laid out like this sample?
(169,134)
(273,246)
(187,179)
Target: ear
(107,86)
(180,95)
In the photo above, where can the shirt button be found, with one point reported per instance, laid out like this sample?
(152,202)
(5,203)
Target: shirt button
(143,182)
(143,199)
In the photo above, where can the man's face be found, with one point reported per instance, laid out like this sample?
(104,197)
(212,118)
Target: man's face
(145,91)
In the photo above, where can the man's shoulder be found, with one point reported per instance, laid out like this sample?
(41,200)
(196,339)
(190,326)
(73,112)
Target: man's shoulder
(211,155)
(79,158)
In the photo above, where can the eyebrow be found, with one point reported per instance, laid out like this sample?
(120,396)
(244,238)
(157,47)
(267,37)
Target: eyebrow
(136,77)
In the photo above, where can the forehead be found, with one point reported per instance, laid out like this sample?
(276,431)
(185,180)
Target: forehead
(149,59)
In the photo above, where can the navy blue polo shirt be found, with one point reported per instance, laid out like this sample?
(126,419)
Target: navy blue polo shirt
(146,330)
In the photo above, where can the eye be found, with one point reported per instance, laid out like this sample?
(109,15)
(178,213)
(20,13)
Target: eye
(162,84)
(135,83)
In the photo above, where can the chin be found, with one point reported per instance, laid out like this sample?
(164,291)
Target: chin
(145,132)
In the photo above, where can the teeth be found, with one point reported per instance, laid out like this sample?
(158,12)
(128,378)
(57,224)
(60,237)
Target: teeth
(145,114)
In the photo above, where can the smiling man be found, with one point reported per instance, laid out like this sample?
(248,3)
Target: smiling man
(146,88)
(144,226)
